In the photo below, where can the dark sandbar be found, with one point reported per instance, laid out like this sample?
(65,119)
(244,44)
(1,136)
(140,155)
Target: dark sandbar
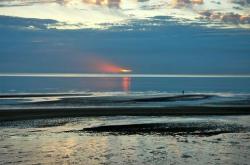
(33,113)
(187,128)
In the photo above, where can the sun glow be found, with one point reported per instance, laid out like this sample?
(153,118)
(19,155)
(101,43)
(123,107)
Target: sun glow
(98,64)
(111,68)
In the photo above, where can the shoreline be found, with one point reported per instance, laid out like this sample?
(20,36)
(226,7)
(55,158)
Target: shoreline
(41,113)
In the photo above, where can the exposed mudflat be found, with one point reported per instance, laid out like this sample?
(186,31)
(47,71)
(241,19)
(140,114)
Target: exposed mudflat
(126,140)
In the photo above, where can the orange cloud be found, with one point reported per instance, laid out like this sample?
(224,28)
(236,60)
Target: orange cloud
(197,1)
(230,18)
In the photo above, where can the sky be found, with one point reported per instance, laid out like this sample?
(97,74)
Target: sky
(145,36)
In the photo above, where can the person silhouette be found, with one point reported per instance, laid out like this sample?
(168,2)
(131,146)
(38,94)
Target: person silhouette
(183,92)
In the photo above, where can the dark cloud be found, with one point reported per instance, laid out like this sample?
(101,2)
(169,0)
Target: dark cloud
(241,2)
(171,47)
(216,2)
(142,0)
(24,23)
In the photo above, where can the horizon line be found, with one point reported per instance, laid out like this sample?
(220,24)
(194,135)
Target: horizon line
(119,75)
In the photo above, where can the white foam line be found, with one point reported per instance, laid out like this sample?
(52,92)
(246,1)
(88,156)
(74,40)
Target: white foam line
(88,75)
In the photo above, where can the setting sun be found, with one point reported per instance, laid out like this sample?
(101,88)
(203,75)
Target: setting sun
(125,70)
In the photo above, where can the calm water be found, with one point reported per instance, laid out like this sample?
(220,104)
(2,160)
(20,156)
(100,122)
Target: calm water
(43,85)
(107,91)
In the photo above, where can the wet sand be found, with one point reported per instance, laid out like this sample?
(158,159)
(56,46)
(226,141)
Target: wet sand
(35,113)
(127,140)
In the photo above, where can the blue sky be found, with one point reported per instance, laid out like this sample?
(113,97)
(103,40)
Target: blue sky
(181,36)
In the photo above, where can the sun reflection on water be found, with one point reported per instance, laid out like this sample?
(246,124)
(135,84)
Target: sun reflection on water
(126,81)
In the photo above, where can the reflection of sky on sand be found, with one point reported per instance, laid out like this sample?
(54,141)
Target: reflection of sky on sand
(21,143)
(76,14)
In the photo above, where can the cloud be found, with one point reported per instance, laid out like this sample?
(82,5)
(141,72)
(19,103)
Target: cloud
(109,3)
(103,14)
(230,18)
(185,3)
(9,3)
(216,2)
(241,2)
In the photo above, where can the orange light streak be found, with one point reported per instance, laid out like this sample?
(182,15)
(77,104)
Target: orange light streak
(104,66)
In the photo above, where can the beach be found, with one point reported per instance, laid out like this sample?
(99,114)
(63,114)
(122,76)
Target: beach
(126,140)
(126,127)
